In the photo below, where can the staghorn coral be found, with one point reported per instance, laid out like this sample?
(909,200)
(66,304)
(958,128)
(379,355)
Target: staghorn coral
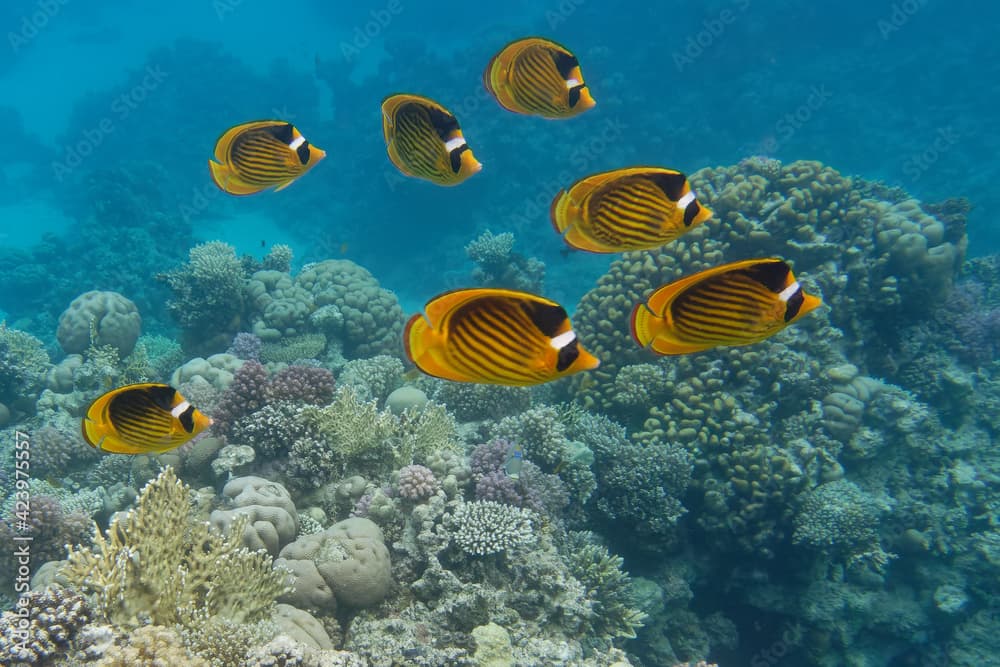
(484,527)
(353,436)
(151,646)
(615,606)
(157,563)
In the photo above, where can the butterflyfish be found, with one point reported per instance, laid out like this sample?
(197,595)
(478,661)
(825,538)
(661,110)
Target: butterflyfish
(635,208)
(424,140)
(734,304)
(538,77)
(261,155)
(146,418)
(495,336)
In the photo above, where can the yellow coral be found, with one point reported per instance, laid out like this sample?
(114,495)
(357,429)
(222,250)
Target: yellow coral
(158,564)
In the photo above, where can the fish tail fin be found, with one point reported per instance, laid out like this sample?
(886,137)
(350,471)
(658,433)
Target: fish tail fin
(558,213)
(644,325)
(228,182)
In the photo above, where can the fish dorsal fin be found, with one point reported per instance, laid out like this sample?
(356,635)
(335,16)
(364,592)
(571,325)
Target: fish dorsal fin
(162,395)
(550,318)
(674,184)
(440,307)
(774,274)
(565,62)
(284,132)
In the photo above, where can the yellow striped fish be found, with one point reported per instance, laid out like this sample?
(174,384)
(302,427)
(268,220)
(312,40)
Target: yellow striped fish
(424,140)
(146,418)
(734,304)
(538,77)
(495,336)
(260,155)
(627,209)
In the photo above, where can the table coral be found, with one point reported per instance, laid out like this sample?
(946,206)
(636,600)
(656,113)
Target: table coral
(147,566)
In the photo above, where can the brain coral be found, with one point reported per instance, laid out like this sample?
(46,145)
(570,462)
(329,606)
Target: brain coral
(351,559)
(372,318)
(107,316)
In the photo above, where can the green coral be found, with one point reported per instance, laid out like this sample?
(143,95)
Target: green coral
(615,607)
(159,565)
(352,436)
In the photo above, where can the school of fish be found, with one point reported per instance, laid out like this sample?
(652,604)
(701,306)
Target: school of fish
(487,335)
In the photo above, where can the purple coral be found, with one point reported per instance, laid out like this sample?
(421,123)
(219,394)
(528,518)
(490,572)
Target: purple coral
(497,486)
(246,394)
(49,527)
(246,346)
(417,483)
(489,457)
(307,384)
(974,324)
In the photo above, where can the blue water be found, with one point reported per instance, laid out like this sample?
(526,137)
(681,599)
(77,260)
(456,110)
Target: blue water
(876,89)
(111,110)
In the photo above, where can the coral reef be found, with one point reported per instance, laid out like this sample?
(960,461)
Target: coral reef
(172,581)
(42,626)
(99,318)
(497,265)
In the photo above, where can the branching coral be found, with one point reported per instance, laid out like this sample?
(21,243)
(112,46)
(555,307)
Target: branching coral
(158,564)
(485,527)
(609,588)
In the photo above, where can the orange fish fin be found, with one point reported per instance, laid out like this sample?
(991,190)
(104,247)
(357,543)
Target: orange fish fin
(665,346)
(559,211)
(644,324)
(421,344)
(439,307)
